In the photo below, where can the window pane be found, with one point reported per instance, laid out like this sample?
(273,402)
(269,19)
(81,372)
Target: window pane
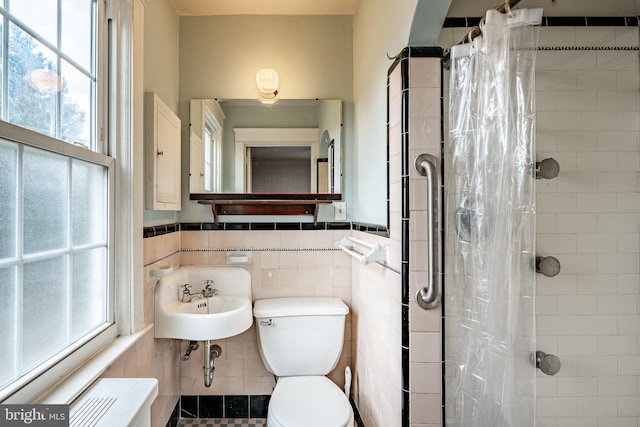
(46,195)
(89,204)
(44,308)
(76,31)
(32,85)
(7,325)
(89,293)
(39,15)
(8,190)
(55,258)
(75,122)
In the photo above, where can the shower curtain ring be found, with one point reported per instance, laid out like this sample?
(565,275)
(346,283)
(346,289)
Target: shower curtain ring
(507,7)
(470,36)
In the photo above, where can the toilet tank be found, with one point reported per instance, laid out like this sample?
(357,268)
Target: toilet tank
(300,336)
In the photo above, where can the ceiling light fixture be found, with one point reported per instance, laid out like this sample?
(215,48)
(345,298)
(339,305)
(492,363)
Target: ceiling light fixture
(267,81)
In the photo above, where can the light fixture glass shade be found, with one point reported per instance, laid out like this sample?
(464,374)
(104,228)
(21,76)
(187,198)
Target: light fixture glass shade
(267,81)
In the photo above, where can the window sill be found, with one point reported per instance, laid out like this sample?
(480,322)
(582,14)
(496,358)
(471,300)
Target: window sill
(76,383)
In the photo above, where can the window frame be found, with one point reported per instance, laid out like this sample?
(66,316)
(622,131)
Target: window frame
(95,71)
(29,386)
(114,115)
(207,146)
(214,128)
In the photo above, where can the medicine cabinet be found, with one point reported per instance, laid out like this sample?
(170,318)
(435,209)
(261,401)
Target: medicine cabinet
(162,142)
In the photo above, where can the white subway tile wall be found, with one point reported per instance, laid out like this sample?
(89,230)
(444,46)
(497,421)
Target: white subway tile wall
(588,110)
(425,379)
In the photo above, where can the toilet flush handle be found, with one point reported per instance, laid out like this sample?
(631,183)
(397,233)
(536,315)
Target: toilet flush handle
(266,322)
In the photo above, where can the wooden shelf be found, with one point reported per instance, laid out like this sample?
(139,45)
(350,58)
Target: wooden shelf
(264,207)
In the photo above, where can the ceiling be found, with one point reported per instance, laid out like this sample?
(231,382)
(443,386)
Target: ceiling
(265,7)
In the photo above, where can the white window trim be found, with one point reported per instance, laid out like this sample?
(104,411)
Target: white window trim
(126,139)
(273,137)
(211,122)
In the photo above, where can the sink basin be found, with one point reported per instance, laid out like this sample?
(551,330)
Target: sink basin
(224,315)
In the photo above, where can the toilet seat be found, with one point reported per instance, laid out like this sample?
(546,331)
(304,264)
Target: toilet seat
(308,401)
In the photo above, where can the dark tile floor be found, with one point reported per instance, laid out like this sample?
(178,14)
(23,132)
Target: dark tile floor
(222,422)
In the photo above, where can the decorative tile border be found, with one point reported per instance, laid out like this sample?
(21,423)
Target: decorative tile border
(565,21)
(545,48)
(261,250)
(159,230)
(557,21)
(379,230)
(161,258)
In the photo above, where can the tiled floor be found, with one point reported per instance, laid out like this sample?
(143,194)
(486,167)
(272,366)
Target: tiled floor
(222,422)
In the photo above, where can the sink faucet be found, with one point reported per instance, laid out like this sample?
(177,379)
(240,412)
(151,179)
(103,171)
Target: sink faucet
(187,296)
(208,291)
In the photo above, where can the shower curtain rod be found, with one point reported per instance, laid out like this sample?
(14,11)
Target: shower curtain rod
(476,31)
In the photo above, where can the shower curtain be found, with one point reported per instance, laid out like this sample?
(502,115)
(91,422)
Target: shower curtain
(489,310)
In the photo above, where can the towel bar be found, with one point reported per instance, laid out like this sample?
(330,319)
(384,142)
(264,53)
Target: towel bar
(377,253)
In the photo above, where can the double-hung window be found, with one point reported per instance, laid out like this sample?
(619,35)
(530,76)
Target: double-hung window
(56,192)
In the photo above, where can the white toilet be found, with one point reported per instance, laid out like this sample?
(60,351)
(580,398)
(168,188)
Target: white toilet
(300,341)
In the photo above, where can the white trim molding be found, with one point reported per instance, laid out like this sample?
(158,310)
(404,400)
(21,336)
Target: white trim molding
(273,137)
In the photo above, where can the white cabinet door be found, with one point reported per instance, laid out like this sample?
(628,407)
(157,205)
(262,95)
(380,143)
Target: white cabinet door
(162,140)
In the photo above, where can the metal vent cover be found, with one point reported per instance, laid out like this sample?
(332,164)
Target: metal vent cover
(91,411)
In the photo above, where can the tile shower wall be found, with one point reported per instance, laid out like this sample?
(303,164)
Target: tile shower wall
(284,264)
(396,343)
(589,121)
(425,135)
(588,217)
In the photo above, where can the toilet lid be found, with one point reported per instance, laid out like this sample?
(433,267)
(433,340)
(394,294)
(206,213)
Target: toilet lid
(310,402)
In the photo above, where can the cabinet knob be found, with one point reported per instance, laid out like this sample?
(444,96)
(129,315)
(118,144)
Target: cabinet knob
(160,153)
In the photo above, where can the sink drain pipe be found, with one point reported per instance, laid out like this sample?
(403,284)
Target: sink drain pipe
(211,352)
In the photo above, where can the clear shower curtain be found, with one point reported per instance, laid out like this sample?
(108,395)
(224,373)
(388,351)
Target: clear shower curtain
(490,196)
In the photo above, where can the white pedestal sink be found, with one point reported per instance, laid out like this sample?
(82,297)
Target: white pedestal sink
(224,315)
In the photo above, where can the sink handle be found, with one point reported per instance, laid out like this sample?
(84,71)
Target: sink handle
(208,290)
(187,289)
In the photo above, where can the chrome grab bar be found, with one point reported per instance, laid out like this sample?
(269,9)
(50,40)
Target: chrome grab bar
(429,296)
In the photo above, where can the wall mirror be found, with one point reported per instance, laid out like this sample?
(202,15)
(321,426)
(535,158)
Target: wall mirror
(248,149)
